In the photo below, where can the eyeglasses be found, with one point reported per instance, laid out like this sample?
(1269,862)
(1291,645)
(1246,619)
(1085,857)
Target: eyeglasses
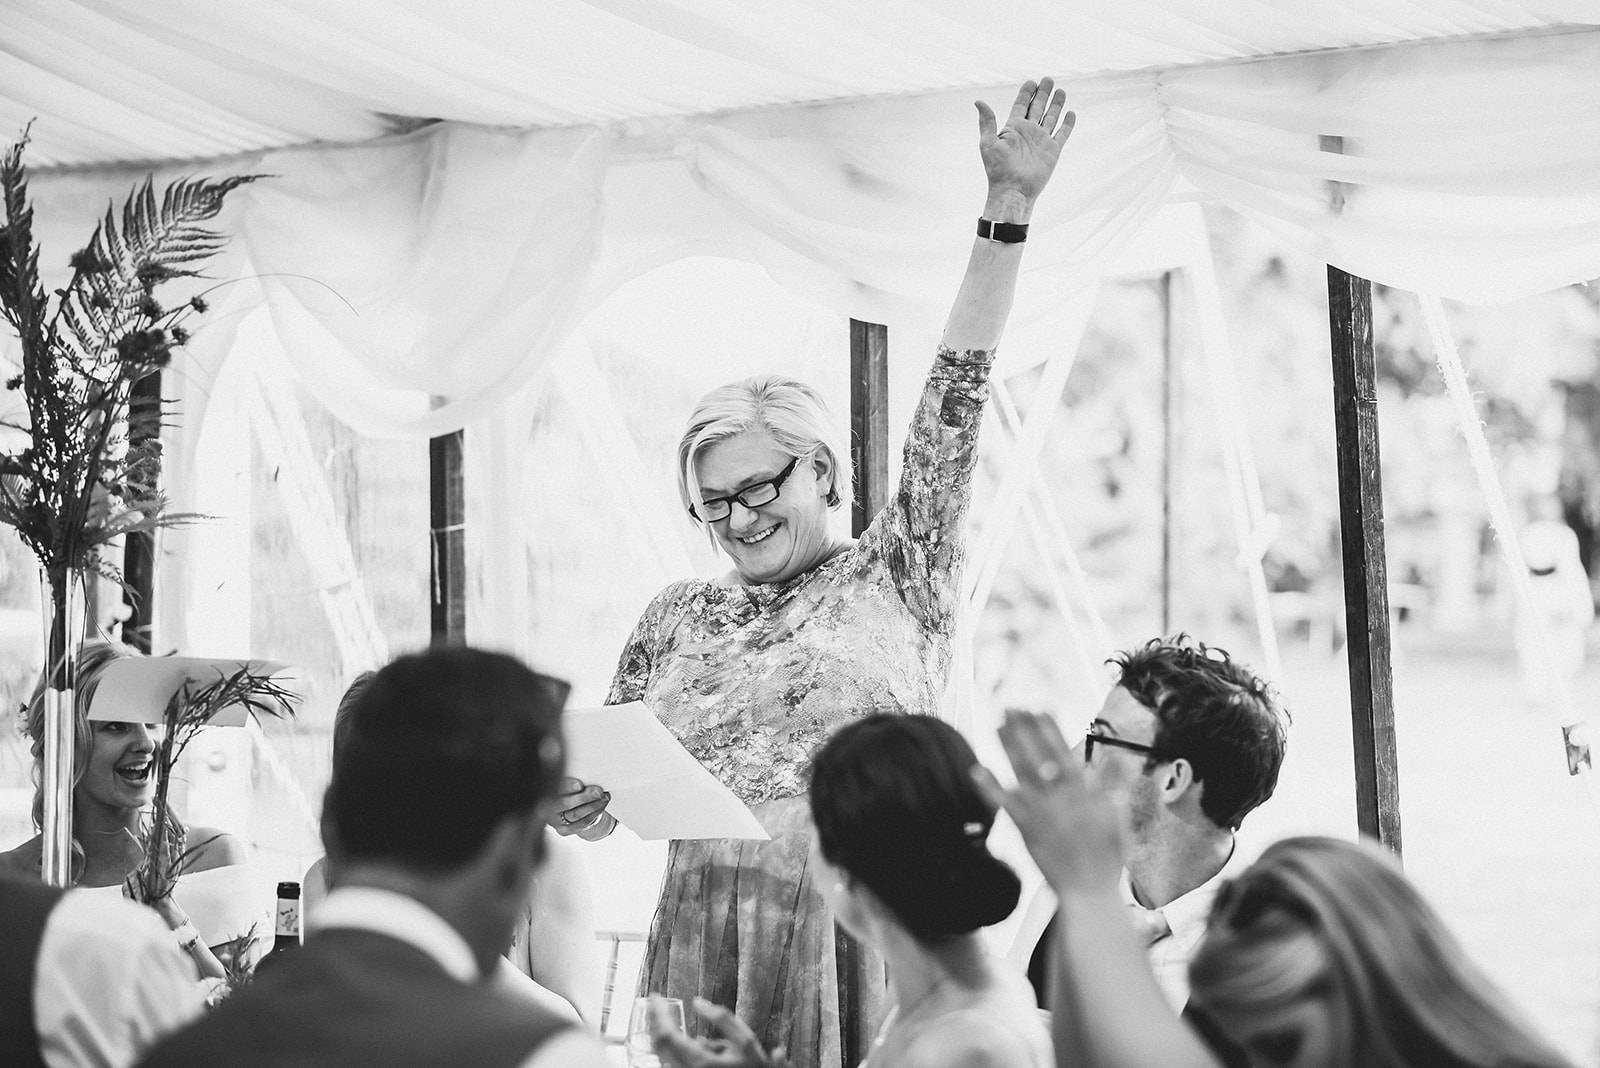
(716,508)
(1093,738)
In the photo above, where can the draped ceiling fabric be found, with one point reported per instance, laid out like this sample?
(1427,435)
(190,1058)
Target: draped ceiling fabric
(419,271)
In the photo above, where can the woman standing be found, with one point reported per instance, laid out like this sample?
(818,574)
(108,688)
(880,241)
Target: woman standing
(753,671)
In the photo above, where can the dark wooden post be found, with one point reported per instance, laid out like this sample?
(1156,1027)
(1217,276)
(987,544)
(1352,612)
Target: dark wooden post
(869,420)
(139,548)
(1366,589)
(869,461)
(1168,386)
(448,550)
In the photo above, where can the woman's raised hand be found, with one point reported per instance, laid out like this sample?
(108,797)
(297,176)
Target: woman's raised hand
(1020,156)
(1070,819)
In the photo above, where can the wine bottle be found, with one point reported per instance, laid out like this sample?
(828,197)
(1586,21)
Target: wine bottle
(286,926)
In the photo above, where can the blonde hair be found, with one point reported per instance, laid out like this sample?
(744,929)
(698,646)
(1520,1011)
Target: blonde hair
(1324,917)
(793,413)
(93,659)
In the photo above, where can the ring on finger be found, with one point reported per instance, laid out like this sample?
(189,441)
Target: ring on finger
(1048,772)
(566,819)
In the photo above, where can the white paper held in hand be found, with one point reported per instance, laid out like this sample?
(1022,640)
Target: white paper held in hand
(658,790)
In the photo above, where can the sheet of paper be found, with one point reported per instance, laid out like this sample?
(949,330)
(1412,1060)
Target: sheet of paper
(658,790)
(136,689)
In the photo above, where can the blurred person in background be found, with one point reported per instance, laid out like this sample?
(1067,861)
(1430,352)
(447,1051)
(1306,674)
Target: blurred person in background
(1552,629)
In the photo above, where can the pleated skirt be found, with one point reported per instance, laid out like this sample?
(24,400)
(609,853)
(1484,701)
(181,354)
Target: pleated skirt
(742,924)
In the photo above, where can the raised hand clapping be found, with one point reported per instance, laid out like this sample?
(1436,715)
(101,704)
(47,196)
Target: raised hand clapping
(1069,819)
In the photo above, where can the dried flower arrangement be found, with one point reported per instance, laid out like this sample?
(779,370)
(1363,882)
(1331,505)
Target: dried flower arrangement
(89,471)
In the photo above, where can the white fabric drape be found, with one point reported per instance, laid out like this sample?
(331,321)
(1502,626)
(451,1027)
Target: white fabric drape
(411,279)
(434,273)
(1469,169)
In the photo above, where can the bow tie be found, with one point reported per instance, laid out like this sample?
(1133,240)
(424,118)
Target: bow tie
(1150,923)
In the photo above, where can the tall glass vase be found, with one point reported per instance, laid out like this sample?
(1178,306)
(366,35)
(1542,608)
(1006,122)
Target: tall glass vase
(62,598)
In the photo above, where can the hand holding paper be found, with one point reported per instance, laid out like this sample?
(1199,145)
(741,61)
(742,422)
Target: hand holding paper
(658,790)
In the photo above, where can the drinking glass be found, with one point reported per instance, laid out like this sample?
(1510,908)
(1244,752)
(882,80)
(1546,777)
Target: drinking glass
(641,1053)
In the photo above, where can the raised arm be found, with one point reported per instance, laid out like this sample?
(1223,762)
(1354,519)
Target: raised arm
(1018,159)
(919,534)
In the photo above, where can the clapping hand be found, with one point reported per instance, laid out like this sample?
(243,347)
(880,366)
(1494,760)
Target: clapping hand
(1069,818)
(1020,157)
(738,1048)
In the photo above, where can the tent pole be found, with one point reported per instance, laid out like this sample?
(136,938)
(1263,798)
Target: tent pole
(869,460)
(447,558)
(1366,596)
(139,547)
(1164,289)
(869,421)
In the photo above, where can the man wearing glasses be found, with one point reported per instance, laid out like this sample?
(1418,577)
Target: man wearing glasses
(1208,738)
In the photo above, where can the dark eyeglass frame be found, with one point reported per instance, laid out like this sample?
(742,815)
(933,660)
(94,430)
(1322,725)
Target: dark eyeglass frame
(775,483)
(1092,738)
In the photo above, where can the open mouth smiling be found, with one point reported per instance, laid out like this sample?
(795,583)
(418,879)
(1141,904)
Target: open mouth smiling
(136,773)
(756,539)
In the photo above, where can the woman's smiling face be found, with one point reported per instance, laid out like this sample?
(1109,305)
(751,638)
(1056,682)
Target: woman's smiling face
(785,537)
(120,772)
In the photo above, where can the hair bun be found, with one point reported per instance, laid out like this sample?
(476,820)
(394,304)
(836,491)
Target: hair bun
(957,892)
(894,805)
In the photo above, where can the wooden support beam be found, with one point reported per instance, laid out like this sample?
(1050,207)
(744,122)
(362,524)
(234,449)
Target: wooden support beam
(869,460)
(447,560)
(869,421)
(1366,591)
(139,548)
(1164,290)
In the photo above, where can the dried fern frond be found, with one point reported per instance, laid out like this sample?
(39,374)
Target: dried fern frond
(22,299)
(82,356)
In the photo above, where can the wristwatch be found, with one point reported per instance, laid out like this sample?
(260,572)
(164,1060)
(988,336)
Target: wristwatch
(1003,232)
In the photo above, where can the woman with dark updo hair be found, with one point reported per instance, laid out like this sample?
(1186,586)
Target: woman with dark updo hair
(900,853)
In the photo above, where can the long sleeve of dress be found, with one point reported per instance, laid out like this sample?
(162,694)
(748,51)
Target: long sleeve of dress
(919,532)
(644,645)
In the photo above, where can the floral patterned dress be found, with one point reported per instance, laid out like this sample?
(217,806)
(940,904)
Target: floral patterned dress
(751,679)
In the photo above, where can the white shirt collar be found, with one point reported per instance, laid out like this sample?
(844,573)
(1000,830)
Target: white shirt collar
(1187,913)
(366,908)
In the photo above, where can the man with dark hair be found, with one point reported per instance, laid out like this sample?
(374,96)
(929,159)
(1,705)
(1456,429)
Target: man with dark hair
(435,822)
(1208,737)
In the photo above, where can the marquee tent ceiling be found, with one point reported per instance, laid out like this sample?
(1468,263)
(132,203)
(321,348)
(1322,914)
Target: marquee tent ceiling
(1449,147)
(147,80)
